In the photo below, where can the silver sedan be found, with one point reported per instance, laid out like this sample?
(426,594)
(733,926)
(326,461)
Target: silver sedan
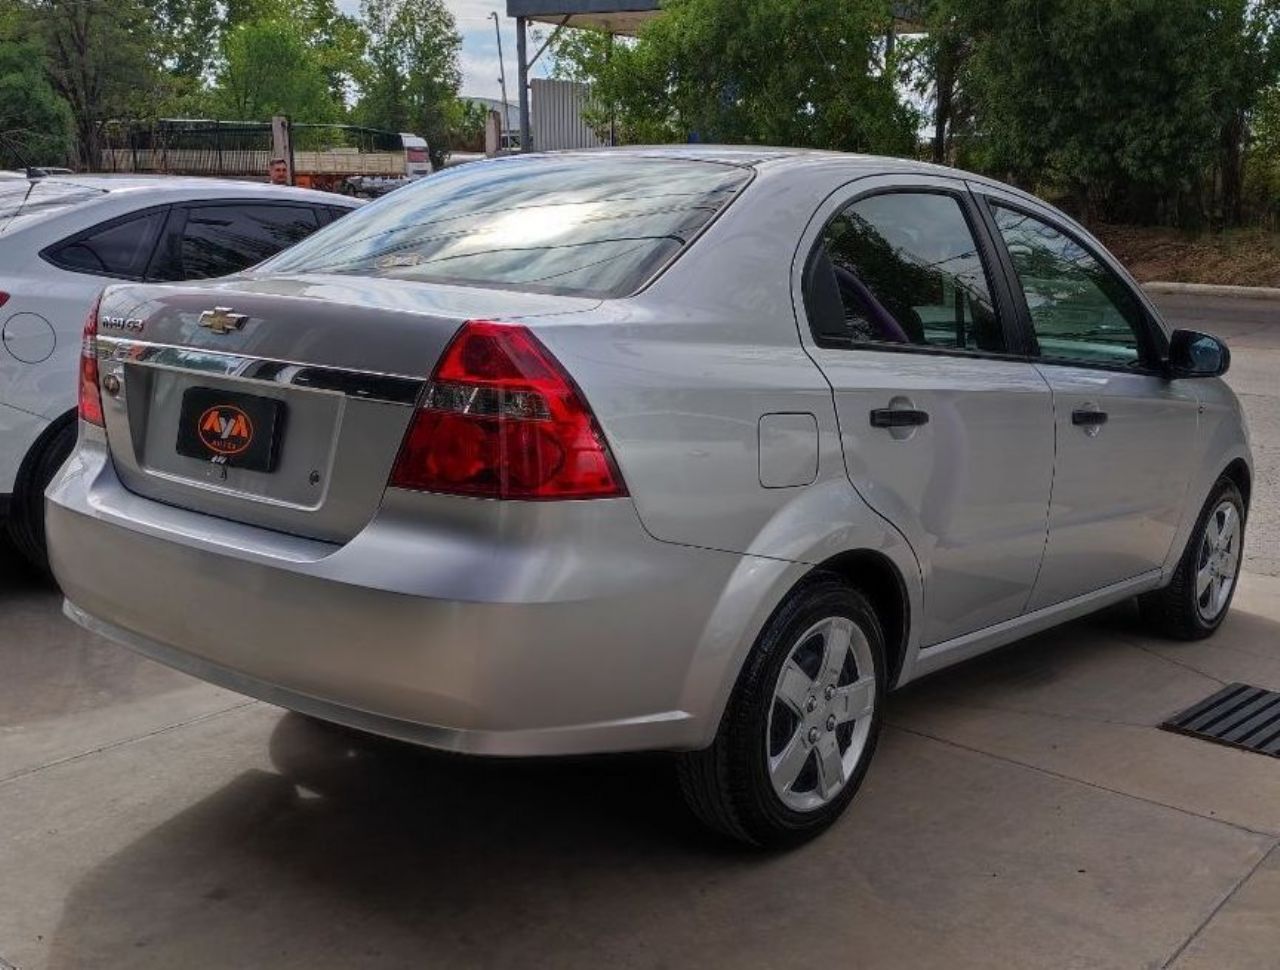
(693,449)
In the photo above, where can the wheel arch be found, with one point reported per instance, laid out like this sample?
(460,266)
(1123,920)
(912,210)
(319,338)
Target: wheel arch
(1238,472)
(878,578)
(39,446)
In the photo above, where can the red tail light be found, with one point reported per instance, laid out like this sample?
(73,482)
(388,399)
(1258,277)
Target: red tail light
(90,393)
(500,418)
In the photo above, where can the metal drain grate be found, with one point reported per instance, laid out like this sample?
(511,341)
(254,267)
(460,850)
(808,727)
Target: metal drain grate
(1238,715)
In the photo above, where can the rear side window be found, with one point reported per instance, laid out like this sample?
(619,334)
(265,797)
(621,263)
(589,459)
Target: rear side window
(121,247)
(582,226)
(216,240)
(901,268)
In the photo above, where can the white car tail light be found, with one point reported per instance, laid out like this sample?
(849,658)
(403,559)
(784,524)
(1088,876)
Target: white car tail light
(90,392)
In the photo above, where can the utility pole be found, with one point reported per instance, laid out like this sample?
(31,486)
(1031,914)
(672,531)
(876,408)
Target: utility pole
(502,79)
(522,52)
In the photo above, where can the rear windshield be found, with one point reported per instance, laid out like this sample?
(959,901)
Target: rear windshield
(577,225)
(23,201)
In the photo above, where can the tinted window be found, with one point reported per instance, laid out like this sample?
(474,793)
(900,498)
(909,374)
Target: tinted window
(901,268)
(1080,310)
(222,239)
(119,248)
(596,226)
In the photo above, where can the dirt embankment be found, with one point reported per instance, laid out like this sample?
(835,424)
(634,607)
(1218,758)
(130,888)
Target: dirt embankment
(1240,257)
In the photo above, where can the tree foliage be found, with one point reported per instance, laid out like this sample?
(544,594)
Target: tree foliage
(1141,110)
(760,71)
(268,69)
(102,59)
(35,123)
(412,77)
(1124,105)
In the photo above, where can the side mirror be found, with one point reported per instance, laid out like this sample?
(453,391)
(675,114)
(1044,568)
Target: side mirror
(1195,354)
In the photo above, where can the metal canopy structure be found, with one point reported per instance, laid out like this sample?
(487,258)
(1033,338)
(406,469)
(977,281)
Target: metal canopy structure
(613,16)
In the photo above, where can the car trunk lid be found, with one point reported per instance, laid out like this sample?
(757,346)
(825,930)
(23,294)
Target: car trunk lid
(279,401)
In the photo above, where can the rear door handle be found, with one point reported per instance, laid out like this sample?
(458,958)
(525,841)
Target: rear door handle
(898,418)
(1088,418)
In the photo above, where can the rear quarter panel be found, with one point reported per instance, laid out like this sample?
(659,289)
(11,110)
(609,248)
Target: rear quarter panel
(679,378)
(680,375)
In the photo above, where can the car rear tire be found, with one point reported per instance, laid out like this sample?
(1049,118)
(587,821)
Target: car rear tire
(801,726)
(26,510)
(1198,597)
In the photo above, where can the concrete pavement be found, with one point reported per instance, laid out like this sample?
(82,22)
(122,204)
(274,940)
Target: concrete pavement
(1023,812)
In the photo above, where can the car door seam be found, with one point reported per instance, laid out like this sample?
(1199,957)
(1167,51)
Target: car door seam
(1053,480)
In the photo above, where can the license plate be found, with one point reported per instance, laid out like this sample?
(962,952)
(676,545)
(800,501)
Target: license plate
(239,430)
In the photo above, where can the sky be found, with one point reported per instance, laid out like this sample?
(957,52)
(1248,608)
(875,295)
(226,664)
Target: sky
(479,58)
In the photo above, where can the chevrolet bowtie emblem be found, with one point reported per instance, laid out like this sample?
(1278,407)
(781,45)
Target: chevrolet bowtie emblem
(221,320)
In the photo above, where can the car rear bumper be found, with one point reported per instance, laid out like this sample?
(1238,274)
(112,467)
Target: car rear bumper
(554,628)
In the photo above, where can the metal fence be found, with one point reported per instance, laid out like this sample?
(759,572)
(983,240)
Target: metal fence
(205,147)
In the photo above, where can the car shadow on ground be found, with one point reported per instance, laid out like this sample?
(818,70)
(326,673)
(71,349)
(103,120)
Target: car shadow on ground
(352,830)
(354,850)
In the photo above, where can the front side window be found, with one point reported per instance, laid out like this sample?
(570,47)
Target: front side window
(1080,310)
(596,226)
(222,239)
(901,268)
(120,248)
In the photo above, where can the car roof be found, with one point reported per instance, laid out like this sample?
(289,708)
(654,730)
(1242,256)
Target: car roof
(128,182)
(775,158)
(49,200)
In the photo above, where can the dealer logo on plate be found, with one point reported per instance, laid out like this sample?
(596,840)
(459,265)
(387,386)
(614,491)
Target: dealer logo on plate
(225,429)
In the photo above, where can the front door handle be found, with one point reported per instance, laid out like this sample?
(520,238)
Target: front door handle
(1088,417)
(898,418)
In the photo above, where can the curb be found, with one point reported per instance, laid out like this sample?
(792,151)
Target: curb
(1215,289)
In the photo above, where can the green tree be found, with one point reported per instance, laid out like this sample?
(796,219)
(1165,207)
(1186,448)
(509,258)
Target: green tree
(103,59)
(188,31)
(468,123)
(1247,57)
(35,123)
(788,72)
(1124,105)
(268,68)
(411,76)
(933,65)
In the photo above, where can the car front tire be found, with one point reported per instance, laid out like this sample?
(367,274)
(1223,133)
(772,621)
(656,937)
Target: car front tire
(802,724)
(1198,597)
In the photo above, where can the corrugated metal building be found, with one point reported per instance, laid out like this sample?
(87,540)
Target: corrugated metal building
(557,116)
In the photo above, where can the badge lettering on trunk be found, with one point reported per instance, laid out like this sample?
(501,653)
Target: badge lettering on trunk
(221,320)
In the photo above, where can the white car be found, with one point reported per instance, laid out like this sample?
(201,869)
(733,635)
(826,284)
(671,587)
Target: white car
(62,239)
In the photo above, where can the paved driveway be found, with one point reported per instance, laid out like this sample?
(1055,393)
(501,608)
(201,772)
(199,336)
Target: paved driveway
(1023,811)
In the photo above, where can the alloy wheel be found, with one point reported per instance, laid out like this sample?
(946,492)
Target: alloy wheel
(821,714)
(1219,561)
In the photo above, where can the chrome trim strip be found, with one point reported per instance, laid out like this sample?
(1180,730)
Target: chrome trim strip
(360,385)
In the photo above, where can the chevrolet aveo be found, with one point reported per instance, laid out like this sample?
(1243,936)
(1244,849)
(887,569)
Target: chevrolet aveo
(697,449)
